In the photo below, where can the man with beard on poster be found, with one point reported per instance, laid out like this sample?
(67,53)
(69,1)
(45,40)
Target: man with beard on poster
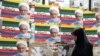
(82,45)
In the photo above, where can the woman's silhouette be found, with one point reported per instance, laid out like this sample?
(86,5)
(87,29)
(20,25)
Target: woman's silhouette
(82,45)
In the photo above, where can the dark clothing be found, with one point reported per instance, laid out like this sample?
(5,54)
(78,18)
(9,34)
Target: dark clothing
(82,45)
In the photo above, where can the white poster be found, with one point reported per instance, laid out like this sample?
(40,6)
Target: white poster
(84,4)
(95,3)
(79,3)
(64,3)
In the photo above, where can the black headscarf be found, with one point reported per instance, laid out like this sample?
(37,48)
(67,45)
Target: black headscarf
(81,36)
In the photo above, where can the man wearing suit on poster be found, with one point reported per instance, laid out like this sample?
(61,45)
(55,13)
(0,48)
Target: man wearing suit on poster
(79,18)
(97,16)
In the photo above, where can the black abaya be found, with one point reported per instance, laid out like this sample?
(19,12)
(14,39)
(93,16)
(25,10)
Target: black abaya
(82,45)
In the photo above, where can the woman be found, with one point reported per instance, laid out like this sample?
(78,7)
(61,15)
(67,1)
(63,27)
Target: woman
(82,45)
